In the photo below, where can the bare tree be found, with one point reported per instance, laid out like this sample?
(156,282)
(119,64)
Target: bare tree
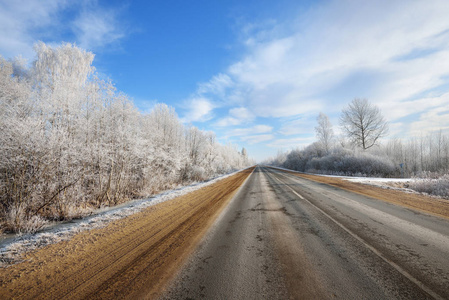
(363,123)
(324,132)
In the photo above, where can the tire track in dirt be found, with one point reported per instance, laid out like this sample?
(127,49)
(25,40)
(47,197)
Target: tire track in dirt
(130,258)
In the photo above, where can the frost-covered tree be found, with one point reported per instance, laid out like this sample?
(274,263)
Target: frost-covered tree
(18,139)
(244,155)
(324,132)
(363,123)
(71,142)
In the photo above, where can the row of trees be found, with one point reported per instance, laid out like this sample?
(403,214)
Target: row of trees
(358,151)
(71,142)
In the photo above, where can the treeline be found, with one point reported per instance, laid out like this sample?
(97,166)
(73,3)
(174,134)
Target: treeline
(358,152)
(418,157)
(70,142)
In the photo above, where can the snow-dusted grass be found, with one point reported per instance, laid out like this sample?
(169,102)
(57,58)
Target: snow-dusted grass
(435,187)
(18,218)
(432,186)
(11,251)
(401,184)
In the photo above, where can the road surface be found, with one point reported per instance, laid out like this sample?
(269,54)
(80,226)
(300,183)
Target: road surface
(287,237)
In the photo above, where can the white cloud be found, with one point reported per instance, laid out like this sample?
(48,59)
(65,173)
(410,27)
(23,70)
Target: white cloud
(303,125)
(23,23)
(198,110)
(291,143)
(97,28)
(227,121)
(237,116)
(252,135)
(255,139)
(398,109)
(433,120)
(251,130)
(217,85)
(241,113)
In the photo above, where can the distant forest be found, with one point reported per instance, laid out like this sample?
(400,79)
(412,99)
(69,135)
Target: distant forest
(70,142)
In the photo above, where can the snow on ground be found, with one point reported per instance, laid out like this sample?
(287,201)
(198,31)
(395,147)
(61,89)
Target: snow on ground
(11,248)
(376,179)
(385,183)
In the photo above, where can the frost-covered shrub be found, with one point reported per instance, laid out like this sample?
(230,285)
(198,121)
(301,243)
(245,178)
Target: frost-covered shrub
(18,221)
(340,162)
(194,173)
(428,175)
(432,186)
(295,160)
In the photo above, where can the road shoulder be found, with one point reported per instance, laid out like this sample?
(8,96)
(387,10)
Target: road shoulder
(421,203)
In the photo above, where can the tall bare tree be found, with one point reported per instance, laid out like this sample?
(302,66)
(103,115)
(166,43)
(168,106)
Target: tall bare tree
(324,132)
(363,123)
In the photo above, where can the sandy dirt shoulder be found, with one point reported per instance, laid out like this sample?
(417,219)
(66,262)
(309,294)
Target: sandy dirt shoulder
(431,205)
(130,258)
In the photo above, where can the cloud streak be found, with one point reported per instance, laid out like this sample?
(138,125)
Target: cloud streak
(255,139)
(251,130)
(96,27)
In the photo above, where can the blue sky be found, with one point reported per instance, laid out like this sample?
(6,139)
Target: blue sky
(257,73)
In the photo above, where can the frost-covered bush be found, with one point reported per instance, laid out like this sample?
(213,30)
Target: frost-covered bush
(18,220)
(295,160)
(340,161)
(430,185)
(194,173)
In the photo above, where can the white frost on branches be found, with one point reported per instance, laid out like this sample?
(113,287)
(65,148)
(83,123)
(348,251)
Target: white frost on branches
(70,142)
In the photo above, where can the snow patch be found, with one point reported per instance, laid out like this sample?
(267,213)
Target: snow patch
(385,183)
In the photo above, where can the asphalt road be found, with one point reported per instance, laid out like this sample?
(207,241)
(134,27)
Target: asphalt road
(287,237)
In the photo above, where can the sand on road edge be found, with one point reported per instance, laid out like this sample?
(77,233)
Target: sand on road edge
(431,205)
(130,258)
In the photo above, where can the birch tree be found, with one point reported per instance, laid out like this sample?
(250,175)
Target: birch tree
(324,132)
